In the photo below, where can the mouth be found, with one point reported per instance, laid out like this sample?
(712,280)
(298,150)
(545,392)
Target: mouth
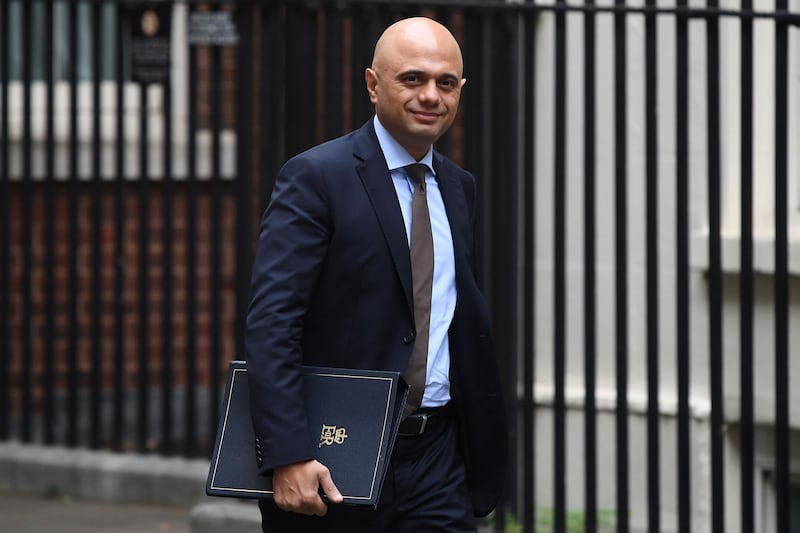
(426,117)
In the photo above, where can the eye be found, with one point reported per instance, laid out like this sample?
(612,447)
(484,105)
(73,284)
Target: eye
(447,83)
(411,78)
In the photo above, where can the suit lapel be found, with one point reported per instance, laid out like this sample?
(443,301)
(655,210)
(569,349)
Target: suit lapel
(379,186)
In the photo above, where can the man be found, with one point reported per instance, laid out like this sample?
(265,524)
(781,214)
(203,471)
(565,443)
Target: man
(332,286)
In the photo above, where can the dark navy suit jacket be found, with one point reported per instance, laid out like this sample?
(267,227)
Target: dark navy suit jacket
(332,287)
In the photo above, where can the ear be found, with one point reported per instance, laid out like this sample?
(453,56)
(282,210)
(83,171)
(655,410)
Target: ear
(463,82)
(371,77)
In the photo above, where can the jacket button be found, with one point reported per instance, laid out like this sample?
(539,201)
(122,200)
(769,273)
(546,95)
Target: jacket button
(409,337)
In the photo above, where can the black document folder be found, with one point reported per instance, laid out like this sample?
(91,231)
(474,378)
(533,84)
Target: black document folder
(354,414)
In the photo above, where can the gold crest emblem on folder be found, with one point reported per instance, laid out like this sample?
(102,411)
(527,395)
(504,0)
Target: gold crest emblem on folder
(332,435)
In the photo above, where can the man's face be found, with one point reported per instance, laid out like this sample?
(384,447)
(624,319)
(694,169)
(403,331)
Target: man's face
(415,85)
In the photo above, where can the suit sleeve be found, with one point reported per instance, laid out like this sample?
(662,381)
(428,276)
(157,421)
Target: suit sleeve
(292,246)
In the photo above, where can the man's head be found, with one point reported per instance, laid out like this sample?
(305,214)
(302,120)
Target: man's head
(415,82)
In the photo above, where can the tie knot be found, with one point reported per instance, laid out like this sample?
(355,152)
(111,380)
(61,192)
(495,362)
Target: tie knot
(417,173)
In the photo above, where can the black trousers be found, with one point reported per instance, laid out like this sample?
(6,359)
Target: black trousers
(425,491)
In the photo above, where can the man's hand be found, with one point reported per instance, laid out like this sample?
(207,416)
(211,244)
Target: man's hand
(297,486)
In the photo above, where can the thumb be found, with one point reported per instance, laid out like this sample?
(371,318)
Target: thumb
(331,492)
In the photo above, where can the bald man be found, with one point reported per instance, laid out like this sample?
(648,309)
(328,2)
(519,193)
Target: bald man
(332,286)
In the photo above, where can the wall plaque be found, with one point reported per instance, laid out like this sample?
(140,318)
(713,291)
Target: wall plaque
(212,28)
(150,42)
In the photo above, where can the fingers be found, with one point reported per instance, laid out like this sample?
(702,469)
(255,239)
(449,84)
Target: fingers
(297,487)
(329,488)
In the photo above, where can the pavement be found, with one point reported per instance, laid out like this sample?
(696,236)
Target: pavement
(50,489)
(61,514)
(32,514)
(26,513)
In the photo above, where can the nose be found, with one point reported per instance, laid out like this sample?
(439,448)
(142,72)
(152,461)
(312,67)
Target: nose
(429,92)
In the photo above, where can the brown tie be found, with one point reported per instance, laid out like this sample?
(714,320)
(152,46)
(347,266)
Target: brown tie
(422,277)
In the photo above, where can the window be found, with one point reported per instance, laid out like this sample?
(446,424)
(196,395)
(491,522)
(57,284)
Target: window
(768,501)
(19,47)
(61,40)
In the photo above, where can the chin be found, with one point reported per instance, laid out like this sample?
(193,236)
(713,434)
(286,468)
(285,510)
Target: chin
(426,133)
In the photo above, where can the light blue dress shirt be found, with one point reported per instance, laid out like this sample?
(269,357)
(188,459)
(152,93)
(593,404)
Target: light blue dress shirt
(443,298)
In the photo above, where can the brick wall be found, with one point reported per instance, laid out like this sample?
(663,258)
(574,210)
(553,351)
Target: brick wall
(88,260)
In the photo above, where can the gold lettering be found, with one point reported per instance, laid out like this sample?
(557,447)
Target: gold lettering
(331,435)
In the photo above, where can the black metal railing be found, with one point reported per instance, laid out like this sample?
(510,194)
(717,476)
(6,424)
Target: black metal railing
(116,319)
(124,263)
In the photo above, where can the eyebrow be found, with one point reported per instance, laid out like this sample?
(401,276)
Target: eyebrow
(447,75)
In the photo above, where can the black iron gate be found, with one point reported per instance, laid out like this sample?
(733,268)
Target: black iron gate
(122,217)
(131,184)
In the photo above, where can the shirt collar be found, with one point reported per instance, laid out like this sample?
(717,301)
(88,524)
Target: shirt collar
(396,156)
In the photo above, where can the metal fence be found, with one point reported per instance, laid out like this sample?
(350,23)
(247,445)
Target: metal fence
(120,227)
(130,191)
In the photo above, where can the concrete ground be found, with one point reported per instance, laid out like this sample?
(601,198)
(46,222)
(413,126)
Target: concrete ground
(51,489)
(32,514)
(38,514)
(57,490)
